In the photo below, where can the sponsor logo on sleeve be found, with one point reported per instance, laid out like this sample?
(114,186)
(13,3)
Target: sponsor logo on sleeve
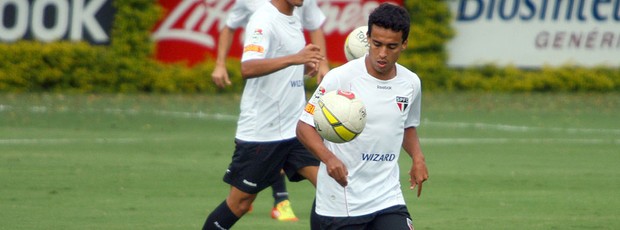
(310,108)
(255,40)
(253,48)
(319,92)
(257,36)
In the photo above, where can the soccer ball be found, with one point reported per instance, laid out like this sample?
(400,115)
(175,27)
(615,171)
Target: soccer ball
(356,44)
(340,117)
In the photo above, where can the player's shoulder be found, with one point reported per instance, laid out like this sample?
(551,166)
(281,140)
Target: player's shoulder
(263,15)
(309,3)
(243,6)
(352,66)
(406,73)
(251,4)
(310,9)
(347,71)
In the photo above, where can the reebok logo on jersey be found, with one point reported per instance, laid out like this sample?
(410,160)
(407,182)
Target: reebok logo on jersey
(387,87)
(402,103)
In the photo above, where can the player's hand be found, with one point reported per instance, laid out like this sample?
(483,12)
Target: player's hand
(323,69)
(418,174)
(311,69)
(310,54)
(337,170)
(220,76)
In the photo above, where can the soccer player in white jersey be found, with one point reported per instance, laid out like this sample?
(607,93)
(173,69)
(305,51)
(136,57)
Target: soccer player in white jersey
(312,18)
(358,183)
(275,59)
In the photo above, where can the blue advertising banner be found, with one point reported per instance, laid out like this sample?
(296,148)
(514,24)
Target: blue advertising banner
(53,20)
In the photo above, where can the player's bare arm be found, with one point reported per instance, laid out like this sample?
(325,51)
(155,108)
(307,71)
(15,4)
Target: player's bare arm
(311,139)
(318,37)
(260,67)
(418,172)
(220,73)
(311,69)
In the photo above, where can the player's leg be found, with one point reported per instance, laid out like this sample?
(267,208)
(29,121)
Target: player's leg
(315,222)
(300,164)
(230,210)
(278,189)
(309,172)
(282,209)
(396,217)
(254,167)
(345,223)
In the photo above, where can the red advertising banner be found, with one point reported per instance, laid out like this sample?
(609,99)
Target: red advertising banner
(189,30)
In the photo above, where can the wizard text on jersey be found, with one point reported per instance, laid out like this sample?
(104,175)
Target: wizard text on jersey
(378,157)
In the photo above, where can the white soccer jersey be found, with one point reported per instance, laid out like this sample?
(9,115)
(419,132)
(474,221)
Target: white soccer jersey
(270,104)
(371,158)
(311,15)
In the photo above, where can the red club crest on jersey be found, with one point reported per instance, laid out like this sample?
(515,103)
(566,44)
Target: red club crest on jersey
(346,94)
(402,103)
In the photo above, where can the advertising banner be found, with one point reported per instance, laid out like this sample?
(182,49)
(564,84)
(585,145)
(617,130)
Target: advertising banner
(190,29)
(534,33)
(53,20)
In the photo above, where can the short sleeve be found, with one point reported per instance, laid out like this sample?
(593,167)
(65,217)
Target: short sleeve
(238,15)
(413,117)
(312,17)
(257,40)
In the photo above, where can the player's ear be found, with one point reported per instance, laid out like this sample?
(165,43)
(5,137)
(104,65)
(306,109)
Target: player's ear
(404,45)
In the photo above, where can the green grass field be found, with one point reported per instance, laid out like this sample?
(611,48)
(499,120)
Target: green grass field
(496,161)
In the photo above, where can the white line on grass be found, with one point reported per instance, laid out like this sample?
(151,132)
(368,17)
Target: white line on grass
(61,141)
(515,128)
(593,141)
(426,122)
(200,115)
(442,141)
(164,113)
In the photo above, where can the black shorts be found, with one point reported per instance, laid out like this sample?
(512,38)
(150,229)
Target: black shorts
(393,218)
(256,165)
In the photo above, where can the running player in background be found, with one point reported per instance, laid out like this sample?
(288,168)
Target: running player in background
(358,183)
(312,18)
(274,62)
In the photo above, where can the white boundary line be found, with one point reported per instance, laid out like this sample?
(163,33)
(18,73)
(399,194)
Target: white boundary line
(515,128)
(426,122)
(441,141)
(60,141)
(228,117)
(593,141)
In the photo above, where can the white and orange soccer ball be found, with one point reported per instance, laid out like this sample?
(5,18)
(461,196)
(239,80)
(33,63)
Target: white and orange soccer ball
(356,45)
(339,117)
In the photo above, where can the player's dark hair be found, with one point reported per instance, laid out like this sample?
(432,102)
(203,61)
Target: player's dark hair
(390,16)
